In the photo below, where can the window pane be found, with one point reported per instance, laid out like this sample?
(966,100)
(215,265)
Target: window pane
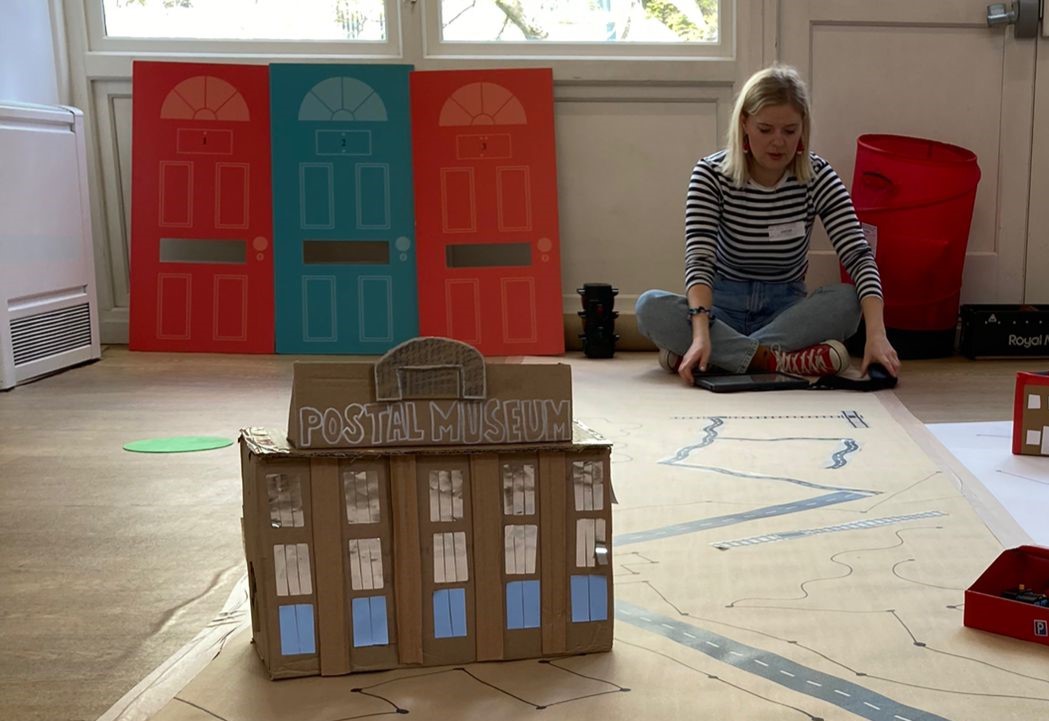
(520,544)
(450,562)
(518,489)
(446,496)
(291,567)
(365,563)
(362,20)
(587,477)
(285,500)
(361,490)
(573,21)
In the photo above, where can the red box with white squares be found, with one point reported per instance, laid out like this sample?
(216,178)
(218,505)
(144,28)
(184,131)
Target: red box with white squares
(1031,414)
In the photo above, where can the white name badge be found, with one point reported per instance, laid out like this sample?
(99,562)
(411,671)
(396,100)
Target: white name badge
(787,231)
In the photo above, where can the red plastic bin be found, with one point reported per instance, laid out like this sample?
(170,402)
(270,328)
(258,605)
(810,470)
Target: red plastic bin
(919,195)
(988,610)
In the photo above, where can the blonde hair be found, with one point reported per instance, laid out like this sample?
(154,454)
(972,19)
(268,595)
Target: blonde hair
(776,85)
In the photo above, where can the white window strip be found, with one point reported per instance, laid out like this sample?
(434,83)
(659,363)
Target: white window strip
(292,556)
(457,495)
(1034,401)
(584,544)
(438,558)
(461,564)
(280,570)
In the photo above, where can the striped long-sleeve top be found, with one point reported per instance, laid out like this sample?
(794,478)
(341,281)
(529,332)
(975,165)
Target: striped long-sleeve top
(758,233)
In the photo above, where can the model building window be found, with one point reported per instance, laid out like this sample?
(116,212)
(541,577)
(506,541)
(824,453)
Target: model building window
(291,568)
(361,489)
(365,558)
(369,622)
(449,613)
(522,605)
(449,558)
(1034,438)
(588,479)
(296,629)
(520,547)
(285,500)
(1034,401)
(589,599)
(446,496)
(518,489)
(591,544)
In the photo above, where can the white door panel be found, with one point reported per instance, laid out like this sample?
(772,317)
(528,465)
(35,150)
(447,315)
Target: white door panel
(934,70)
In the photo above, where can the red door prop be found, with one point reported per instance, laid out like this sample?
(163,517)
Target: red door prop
(486,209)
(201,220)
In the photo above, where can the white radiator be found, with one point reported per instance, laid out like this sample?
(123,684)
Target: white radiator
(48,310)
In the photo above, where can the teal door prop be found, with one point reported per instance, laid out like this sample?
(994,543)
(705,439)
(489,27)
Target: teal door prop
(344,225)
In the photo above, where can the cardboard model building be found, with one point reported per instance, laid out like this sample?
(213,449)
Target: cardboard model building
(428,509)
(1031,414)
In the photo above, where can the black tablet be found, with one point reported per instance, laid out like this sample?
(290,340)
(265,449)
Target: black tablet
(750,382)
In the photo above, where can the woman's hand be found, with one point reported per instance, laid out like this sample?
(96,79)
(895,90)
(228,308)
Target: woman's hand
(697,355)
(878,349)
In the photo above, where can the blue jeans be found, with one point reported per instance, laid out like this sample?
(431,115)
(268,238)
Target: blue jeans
(752,313)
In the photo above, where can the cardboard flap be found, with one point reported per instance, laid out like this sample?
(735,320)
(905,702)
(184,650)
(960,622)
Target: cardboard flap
(428,368)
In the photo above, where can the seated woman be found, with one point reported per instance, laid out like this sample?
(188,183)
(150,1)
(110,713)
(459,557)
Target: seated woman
(748,223)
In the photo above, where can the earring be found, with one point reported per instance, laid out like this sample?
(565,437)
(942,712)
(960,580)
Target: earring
(801,148)
(746,144)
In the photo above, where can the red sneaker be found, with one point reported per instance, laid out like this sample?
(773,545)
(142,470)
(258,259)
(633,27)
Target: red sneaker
(823,359)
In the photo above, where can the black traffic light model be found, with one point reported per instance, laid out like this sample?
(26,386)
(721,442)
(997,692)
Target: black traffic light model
(599,320)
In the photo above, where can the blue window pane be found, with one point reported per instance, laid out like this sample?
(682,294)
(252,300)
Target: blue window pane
(598,598)
(369,622)
(522,605)
(449,613)
(296,629)
(580,586)
(589,598)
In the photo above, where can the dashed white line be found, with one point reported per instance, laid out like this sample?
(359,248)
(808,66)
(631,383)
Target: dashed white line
(711,643)
(761,662)
(646,619)
(786,673)
(901,718)
(842,693)
(876,708)
(667,625)
(735,653)
(814,683)
(688,634)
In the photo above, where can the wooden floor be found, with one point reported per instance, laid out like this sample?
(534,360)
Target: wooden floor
(112,561)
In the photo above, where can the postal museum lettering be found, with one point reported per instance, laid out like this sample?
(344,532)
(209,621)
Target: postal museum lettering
(451,422)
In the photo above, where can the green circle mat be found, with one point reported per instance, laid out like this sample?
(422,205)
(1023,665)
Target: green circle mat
(178,444)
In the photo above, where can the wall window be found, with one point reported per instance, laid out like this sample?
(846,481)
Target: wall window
(522,605)
(572,21)
(591,544)
(360,20)
(589,598)
(446,496)
(361,490)
(285,500)
(518,489)
(369,622)
(449,613)
(450,564)
(588,480)
(296,629)
(291,567)
(365,558)
(520,542)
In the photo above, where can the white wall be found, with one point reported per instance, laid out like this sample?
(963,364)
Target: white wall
(27,52)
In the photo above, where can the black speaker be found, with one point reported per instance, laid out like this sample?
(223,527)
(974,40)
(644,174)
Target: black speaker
(599,319)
